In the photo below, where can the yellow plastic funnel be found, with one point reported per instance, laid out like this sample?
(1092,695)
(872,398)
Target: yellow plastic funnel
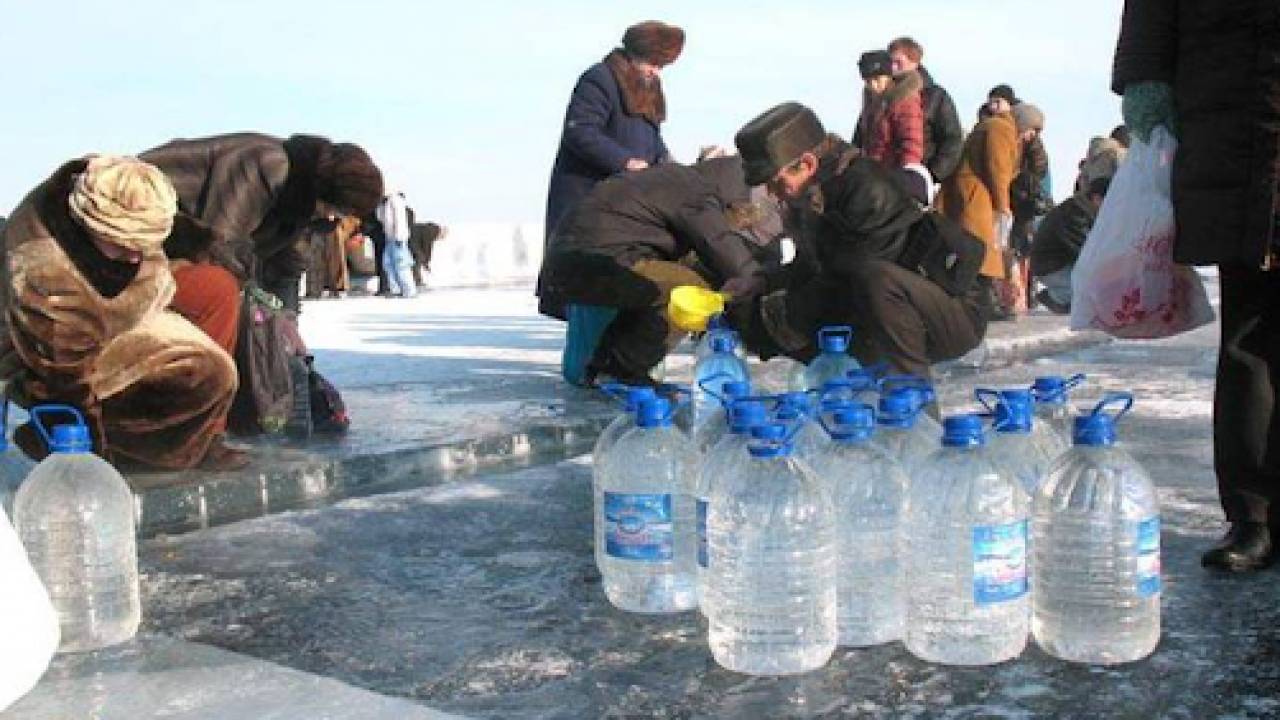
(691,306)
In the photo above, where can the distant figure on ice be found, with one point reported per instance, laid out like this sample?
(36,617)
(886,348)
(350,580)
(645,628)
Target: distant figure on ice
(1210,72)
(396,261)
(612,124)
(1058,241)
(327,268)
(943,135)
(264,195)
(423,237)
(86,318)
(625,247)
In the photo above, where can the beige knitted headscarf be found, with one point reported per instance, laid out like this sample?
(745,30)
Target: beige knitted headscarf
(124,201)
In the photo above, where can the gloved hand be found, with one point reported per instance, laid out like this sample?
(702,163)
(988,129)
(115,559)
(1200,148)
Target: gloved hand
(1146,105)
(743,288)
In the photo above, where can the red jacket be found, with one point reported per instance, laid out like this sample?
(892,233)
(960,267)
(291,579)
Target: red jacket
(891,128)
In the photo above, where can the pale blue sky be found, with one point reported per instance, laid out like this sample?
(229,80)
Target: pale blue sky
(461,102)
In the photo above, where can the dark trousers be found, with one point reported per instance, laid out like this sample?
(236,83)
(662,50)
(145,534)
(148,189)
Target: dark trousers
(639,336)
(1246,434)
(379,244)
(898,317)
(281,274)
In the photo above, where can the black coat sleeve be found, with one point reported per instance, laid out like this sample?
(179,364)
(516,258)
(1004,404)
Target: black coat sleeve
(948,137)
(700,222)
(1148,45)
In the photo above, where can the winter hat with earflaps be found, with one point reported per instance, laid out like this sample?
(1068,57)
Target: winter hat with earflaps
(124,201)
(654,42)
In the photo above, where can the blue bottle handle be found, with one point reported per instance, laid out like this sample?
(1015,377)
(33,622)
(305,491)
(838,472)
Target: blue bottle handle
(907,381)
(1112,399)
(713,393)
(39,410)
(835,330)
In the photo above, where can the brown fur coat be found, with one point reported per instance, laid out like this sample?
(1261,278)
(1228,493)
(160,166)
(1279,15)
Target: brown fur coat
(77,330)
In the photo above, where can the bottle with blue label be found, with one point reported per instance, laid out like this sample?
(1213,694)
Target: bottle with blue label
(808,438)
(646,519)
(771,587)
(1013,444)
(1097,551)
(724,459)
(721,365)
(631,399)
(898,434)
(832,362)
(1052,394)
(716,325)
(965,541)
(74,515)
(14,464)
(716,425)
(868,490)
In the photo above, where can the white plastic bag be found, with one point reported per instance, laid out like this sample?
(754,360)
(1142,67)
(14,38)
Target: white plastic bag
(29,633)
(1125,282)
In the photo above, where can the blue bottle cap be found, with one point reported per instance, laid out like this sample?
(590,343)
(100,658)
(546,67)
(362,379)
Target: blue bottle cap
(1014,411)
(717,322)
(1095,430)
(636,395)
(897,410)
(962,431)
(70,439)
(653,413)
(1053,388)
(800,400)
(835,385)
(745,415)
(854,423)
(723,343)
(835,338)
(770,441)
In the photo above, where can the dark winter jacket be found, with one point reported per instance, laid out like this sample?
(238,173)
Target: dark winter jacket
(246,187)
(1061,235)
(856,211)
(662,213)
(1027,196)
(600,135)
(1222,58)
(943,134)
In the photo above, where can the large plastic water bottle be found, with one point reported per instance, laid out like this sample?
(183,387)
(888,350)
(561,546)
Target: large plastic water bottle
(724,459)
(716,425)
(1051,394)
(716,325)
(833,360)
(965,542)
(646,518)
(1097,551)
(14,464)
(631,399)
(898,434)
(74,515)
(868,490)
(857,387)
(923,397)
(771,592)
(808,438)
(718,367)
(1013,444)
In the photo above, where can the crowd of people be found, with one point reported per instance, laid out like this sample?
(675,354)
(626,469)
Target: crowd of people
(915,233)
(125,278)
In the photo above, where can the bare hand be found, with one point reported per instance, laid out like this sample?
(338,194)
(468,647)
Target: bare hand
(636,164)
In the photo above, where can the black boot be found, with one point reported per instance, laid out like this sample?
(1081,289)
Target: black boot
(1245,547)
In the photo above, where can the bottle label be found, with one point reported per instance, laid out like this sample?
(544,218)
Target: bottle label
(999,562)
(638,527)
(702,533)
(1148,548)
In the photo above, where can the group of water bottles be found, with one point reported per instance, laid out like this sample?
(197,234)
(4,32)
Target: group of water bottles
(844,515)
(74,515)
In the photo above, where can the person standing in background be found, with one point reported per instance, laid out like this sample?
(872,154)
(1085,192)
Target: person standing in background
(943,136)
(396,260)
(612,125)
(1210,73)
(891,127)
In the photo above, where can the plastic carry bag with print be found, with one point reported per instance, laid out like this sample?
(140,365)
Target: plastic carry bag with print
(29,632)
(1125,282)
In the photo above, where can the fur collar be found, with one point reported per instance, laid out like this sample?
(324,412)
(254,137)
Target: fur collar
(296,204)
(108,277)
(639,96)
(903,86)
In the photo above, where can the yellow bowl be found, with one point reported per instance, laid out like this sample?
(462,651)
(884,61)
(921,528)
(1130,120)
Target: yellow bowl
(691,306)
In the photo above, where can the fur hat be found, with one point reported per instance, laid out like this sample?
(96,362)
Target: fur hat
(653,42)
(124,201)
(776,139)
(1028,117)
(876,62)
(347,178)
(1005,92)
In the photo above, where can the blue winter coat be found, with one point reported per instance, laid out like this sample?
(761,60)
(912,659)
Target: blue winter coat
(598,139)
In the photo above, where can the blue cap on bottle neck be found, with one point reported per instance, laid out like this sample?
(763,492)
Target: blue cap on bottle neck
(855,423)
(745,415)
(70,439)
(770,440)
(897,410)
(636,395)
(653,413)
(1095,430)
(723,343)
(962,431)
